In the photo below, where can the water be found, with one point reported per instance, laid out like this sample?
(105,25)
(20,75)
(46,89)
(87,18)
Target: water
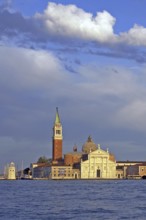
(79,200)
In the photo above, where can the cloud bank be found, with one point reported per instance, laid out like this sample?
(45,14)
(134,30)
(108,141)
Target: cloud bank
(107,102)
(68,24)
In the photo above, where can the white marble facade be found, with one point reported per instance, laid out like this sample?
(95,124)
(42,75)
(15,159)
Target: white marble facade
(98,165)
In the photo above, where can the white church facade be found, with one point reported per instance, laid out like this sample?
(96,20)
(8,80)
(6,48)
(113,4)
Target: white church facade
(100,164)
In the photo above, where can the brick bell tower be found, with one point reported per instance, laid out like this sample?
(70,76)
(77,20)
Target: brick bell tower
(57,139)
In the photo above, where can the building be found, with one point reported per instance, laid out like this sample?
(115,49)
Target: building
(120,172)
(57,139)
(136,171)
(99,164)
(91,163)
(11,172)
(40,170)
(73,158)
(64,172)
(122,166)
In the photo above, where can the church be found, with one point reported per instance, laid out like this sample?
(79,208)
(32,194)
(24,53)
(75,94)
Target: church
(91,163)
(98,163)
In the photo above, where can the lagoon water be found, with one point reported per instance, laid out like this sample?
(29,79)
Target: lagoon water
(77,200)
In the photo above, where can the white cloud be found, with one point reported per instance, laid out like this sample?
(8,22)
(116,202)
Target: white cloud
(30,71)
(74,22)
(133,115)
(29,68)
(70,25)
(135,36)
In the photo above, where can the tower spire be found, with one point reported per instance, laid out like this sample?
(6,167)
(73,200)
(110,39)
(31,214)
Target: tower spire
(57,119)
(57,138)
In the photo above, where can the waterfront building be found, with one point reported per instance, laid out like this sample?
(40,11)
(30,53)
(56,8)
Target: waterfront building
(40,170)
(57,139)
(122,166)
(136,171)
(11,171)
(119,172)
(64,172)
(92,163)
(98,163)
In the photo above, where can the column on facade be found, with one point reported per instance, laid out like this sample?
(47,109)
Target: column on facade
(89,166)
(94,168)
(102,166)
(106,167)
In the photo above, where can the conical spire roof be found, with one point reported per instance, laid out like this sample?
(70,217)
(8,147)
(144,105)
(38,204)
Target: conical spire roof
(57,119)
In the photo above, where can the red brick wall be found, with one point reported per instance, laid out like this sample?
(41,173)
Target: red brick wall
(70,159)
(57,150)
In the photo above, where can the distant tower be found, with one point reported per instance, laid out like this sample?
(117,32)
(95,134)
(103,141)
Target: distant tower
(57,139)
(11,171)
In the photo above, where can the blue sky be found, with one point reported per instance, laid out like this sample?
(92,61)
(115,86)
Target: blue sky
(87,59)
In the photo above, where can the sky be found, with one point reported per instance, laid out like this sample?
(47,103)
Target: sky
(86,58)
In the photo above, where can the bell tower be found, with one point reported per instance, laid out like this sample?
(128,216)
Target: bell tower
(57,139)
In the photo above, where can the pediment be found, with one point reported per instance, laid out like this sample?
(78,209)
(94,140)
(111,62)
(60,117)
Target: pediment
(99,152)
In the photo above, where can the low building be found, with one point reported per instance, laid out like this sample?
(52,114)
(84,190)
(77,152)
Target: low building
(120,172)
(124,165)
(136,171)
(64,172)
(40,170)
(99,165)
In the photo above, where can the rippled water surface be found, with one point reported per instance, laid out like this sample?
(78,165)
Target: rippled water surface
(122,199)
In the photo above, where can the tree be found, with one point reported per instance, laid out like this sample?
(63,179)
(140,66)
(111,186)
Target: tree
(44,159)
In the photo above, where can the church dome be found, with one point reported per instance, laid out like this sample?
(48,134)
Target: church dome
(112,157)
(89,146)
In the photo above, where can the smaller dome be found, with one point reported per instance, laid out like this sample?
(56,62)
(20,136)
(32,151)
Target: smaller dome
(112,157)
(89,146)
